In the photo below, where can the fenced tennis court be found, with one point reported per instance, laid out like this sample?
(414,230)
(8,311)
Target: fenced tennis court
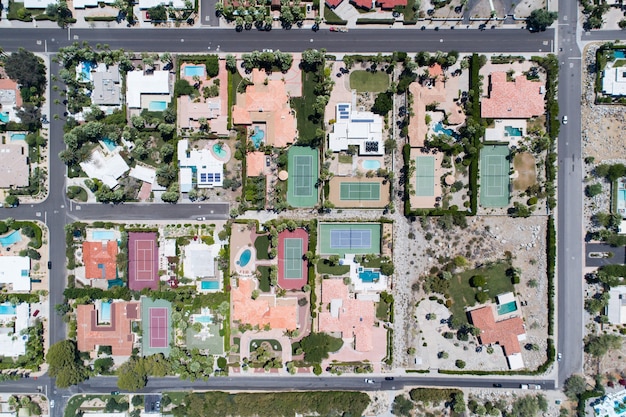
(359,191)
(353,238)
(143,259)
(157,326)
(293,258)
(494,176)
(425,176)
(292,271)
(302,167)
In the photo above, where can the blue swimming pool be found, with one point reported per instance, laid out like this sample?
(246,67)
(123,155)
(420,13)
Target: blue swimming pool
(203,319)
(244,258)
(157,106)
(371,164)
(619,54)
(194,70)
(105,312)
(18,136)
(85,70)
(258,136)
(4,117)
(439,129)
(103,235)
(110,144)
(220,150)
(7,309)
(210,285)
(12,238)
(622,196)
(369,276)
(509,307)
(513,131)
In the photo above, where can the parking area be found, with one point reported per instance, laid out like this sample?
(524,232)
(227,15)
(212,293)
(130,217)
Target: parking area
(152,403)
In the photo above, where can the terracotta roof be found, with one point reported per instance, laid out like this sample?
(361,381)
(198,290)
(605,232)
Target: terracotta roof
(100,259)
(435,70)
(390,4)
(519,99)
(503,332)
(353,318)
(255,163)
(264,310)
(333,3)
(365,4)
(116,334)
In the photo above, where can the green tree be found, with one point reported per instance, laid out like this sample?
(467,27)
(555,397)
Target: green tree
(383,103)
(599,345)
(459,364)
(593,190)
(402,406)
(27,69)
(540,19)
(103,365)
(478,281)
(12,201)
(158,13)
(65,365)
(316,346)
(131,375)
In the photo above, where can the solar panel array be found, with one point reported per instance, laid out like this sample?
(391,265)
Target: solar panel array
(344,111)
(371,146)
(209,177)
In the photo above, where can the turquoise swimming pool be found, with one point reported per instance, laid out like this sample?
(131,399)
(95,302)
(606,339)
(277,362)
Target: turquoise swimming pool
(203,319)
(369,276)
(110,144)
(513,131)
(244,258)
(509,307)
(12,238)
(194,70)
(439,129)
(157,106)
(103,235)
(18,136)
(7,309)
(85,70)
(210,285)
(619,54)
(4,117)
(219,150)
(621,196)
(258,136)
(105,312)
(371,164)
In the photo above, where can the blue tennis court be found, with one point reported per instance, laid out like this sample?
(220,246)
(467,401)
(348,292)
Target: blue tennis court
(353,238)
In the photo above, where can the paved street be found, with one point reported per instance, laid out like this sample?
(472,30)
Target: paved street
(617,255)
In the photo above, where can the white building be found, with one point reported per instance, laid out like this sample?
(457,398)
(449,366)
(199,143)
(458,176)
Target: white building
(15,271)
(199,261)
(106,169)
(139,84)
(198,167)
(614,81)
(176,4)
(616,310)
(357,128)
(14,319)
(143,173)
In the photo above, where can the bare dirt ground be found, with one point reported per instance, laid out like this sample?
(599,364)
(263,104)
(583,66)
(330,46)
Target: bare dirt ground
(486,238)
(602,125)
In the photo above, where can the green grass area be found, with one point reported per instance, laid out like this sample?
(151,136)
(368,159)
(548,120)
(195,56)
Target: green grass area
(345,159)
(303,106)
(176,397)
(373,263)
(619,63)
(233,82)
(331,17)
(77,193)
(408,11)
(276,346)
(363,81)
(71,409)
(463,295)
(264,281)
(324,267)
(382,311)
(262,245)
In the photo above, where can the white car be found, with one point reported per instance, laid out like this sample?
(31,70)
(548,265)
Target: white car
(559,357)
(564,120)
(369,381)
(51,403)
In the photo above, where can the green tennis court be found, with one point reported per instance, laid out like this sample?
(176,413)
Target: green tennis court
(302,166)
(494,176)
(359,191)
(293,258)
(353,238)
(157,326)
(425,176)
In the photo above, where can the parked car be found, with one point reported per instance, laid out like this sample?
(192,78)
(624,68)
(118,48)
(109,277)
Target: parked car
(49,264)
(36,313)
(559,357)
(564,120)
(497,385)
(51,403)
(369,381)
(388,378)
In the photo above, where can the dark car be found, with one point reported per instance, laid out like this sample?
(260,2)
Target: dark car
(388,378)
(49,264)
(497,385)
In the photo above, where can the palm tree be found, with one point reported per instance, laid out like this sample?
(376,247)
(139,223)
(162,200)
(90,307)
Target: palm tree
(239,23)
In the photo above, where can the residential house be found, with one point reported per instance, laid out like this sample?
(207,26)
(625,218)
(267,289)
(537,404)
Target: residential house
(356,128)
(517,99)
(266,309)
(15,273)
(114,329)
(616,309)
(614,80)
(14,168)
(147,90)
(14,320)
(106,86)
(100,259)
(10,98)
(198,167)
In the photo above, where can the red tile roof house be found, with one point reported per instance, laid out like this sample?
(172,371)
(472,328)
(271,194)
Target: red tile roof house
(369,4)
(100,259)
(506,333)
(117,334)
(518,99)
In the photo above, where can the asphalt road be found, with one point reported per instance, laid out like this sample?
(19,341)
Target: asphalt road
(295,40)
(570,236)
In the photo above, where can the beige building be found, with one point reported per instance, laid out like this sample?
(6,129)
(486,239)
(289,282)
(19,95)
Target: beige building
(13,165)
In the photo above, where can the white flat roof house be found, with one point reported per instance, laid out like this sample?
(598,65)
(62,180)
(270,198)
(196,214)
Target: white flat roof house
(143,173)
(614,81)
(81,4)
(616,310)
(14,169)
(106,169)
(359,128)
(38,4)
(139,83)
(15,270)
(199,261)
(12,343)
(176,4)
(198,166)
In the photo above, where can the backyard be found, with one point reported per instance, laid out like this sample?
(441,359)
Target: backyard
(308,120)
(364,81)
(264,279)
(261,245)
(464,295)
(324,266)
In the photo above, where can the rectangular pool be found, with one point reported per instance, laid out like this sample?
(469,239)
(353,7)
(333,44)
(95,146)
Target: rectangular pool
(110,144)
(210,285)
(7,309)
(513,131)
(194,70)
(203,319)
(105,312)
(509,307)
(18,136)
(369,276)
(157,106)
(103,235)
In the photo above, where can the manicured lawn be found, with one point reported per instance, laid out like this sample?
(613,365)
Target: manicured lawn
(264,281)
(382,311)
(345,159)
(331,17)
(255,343)
(176,397)
(307,124)
(374,263)
(77,193)
(262,245)
(363,81)
(71,409)
(463,295)
(233,82)
(324,267)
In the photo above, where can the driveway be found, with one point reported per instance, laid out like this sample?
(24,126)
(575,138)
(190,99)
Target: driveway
(618,255)
(207,13)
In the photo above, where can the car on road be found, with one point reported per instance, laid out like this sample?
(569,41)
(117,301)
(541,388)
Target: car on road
(564,120)
(201,219)
(49,264)
(115,393)
(336,29)
(369,381)
(497,385)
(559,357)
(388,378)
(51,403)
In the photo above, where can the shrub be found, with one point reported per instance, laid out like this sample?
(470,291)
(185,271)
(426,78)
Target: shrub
(459,364)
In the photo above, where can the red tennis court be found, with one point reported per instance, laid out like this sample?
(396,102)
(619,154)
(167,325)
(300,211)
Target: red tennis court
(158,327)
(292,268)
(143,257)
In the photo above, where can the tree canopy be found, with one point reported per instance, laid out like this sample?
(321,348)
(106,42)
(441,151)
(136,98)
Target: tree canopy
(540,19)
(27,69)
(65,365)
(316,346)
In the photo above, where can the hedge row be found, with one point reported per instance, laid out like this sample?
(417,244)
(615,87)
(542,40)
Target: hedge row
(474,87)
(311,267)
(100,18)
(368,21)
(551,254)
